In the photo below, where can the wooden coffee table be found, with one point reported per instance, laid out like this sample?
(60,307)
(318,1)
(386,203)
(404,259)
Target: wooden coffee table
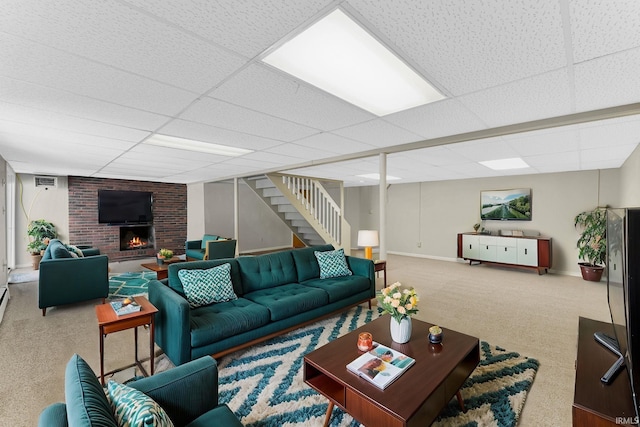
(162,271)
(414,399)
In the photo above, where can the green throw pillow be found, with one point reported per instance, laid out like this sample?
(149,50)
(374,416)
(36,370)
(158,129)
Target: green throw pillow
(204,287)
(133,408)
(332,264)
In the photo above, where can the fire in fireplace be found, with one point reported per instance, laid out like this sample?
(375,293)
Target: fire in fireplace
(136,237)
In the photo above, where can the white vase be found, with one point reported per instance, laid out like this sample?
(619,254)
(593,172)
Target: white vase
(401,331)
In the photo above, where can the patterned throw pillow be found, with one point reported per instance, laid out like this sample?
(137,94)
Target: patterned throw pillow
(332,264)
(204,287)
(133,408)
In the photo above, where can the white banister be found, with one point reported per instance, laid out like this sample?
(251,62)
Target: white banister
(315,199)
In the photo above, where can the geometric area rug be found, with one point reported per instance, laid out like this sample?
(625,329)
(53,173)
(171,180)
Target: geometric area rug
(130,284)
(263,384)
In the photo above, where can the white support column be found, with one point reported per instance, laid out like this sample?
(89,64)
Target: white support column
(236,215)
(383,206)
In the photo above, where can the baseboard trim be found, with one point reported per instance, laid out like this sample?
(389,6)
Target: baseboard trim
(4,299)
(414,255)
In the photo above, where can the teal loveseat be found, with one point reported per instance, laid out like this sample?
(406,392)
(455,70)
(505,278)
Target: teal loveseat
(187,393)
(276,292)
(65,279)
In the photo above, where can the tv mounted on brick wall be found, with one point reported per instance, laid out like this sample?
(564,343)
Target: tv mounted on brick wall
(125,207)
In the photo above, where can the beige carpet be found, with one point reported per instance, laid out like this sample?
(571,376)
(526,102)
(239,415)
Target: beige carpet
(514,309)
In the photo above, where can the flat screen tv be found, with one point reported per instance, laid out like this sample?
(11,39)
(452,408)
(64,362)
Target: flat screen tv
(125,207)
(623,295)
(512,204)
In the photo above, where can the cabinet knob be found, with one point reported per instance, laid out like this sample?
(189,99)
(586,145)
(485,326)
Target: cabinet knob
(525,251)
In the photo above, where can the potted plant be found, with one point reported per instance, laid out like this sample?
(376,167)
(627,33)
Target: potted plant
(163,255)
(401,305)
(592,243)
(40,232)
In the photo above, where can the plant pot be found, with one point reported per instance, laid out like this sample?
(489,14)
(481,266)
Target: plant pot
(590,272)
(160,261)
(35,261)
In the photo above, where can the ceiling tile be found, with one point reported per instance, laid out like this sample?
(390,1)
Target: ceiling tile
(544,142)
(63,71)
(29,95)
(271,92)
(608,81)
(484,149)
(224,22)
(228,116)
(467,46)
(600,27)
(333,144)
(443,118)
(378,133)
(112,33)
(542,96)
(49,119)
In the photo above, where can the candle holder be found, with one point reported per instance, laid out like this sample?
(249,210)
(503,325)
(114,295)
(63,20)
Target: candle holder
(365,341)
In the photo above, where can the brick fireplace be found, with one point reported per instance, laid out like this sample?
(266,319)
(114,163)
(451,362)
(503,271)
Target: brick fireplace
(169,228)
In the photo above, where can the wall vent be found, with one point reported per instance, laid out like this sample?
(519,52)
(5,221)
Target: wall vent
(46,181)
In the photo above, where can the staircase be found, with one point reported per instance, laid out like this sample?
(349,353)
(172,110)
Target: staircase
(306,207)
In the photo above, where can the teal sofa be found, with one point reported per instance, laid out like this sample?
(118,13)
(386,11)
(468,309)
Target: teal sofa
(210,246)
(276,292)
(65,279)
(187,393)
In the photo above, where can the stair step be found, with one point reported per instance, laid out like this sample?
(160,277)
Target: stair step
(264,183)
(299,223)
(279,200)
(271,192)
(291,215)
(307,230)
(289,209)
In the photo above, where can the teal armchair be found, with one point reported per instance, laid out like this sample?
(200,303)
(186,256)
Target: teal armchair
(187,393)
(64,279)
(210,247)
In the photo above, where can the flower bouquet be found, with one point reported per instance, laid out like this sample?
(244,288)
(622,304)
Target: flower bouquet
(398,303)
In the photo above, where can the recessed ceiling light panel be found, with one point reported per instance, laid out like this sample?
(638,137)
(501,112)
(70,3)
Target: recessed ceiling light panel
(505,164)
(192,145)
(338,56)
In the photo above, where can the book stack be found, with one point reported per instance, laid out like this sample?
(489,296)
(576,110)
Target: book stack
(381,365)
(125,306)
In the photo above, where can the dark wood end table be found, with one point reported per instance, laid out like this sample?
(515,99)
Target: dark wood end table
(162,271)
(109,322)
(381,265)
(415,398)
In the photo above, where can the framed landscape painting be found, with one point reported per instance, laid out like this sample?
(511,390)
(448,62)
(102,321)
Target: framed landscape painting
(512,204)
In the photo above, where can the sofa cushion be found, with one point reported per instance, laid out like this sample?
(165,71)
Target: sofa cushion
(134,408)
(206,238)
(176,284)
(204,287)
(218,321)
(219,416)
(195,253)
(267,271)
(332,264)
(339,288)
(306,262)
(59,250)
(288,300)
(87,404)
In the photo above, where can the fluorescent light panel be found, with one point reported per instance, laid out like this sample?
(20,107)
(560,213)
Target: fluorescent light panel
(376,176)
(192,145)
(505,164)
(340,57)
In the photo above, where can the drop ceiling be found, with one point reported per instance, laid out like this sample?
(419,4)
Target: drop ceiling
(83,84)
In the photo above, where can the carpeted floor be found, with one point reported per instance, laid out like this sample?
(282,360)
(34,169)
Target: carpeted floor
(127,284)
(264,387)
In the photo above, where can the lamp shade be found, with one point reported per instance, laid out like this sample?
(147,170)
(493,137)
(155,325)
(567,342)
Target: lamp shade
(368,238)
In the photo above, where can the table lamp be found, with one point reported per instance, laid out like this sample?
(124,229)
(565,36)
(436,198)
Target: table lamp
(368,239)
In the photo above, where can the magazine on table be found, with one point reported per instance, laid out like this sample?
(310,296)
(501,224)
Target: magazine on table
(125,306)
(381,365)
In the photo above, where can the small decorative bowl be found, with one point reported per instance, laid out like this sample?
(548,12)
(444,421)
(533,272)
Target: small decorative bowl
(435,338)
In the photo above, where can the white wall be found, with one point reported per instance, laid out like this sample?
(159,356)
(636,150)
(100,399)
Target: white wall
(51,204)
(259,227)
(424,219)
(195,211)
